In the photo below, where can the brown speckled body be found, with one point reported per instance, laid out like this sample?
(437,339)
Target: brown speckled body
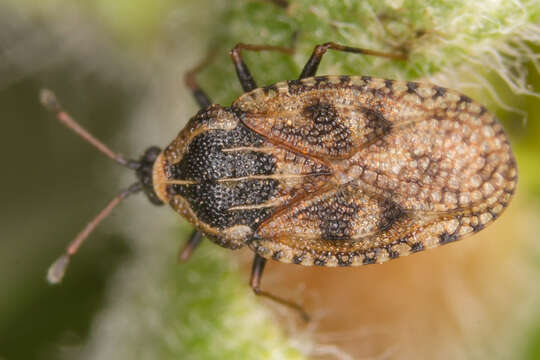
(339,170)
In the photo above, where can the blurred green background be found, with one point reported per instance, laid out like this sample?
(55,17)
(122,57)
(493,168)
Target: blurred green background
(117,66)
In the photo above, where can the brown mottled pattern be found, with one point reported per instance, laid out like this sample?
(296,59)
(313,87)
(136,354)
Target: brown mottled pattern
(414,166)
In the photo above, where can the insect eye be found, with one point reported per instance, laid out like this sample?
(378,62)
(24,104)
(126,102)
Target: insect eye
(151,153)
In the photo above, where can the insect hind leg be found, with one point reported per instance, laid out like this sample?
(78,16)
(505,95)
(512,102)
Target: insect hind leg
(318,52)
(255,282)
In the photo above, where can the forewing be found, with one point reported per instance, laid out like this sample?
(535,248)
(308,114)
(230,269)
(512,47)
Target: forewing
(415,166)
(346,226)
(336,213)
(333,117)
(349,227)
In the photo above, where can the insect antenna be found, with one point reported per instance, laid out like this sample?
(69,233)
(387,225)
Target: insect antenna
(58,268)
(48,100)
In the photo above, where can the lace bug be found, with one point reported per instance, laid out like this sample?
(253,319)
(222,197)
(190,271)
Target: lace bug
(324,170)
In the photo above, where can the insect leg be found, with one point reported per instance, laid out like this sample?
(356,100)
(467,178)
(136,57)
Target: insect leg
(192,243)
(255,282)
(313,63)
(242,71)
(191,82)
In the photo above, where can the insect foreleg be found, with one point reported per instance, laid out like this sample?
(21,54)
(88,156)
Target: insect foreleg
(191,82)
(242,71)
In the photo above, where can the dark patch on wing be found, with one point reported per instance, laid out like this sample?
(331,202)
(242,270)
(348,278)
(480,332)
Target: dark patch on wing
(477,227)
(325,128)
(391,253)
(321,82)
(439,91)
(412,87)
(323,114)
(416,247)
(389,85)
(344,259)
(369,260)
(483,110)
(446,238)
(297,259)
(344,80)
(376,123)
(335,217)
(295,87)
(464,99)
(269,88)
(391,213)
(493,214)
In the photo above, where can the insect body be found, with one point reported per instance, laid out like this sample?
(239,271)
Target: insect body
(332,170)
